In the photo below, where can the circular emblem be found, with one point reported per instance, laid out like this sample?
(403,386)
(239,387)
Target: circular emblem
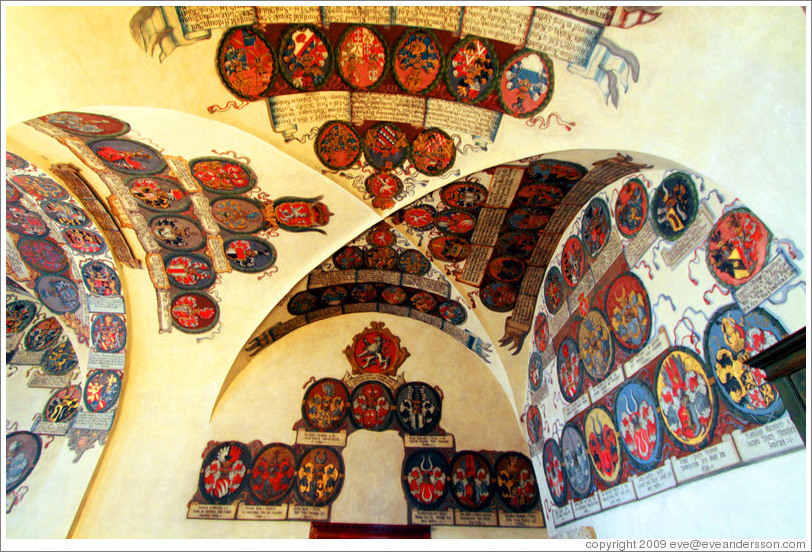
(554,472)
(158,194)
(383,187)
(100,278)
(361,57)
(325,404)
(23,222)
(529,218)
(22,454)
(573,262)
(686,398)
(629,312)
(301,303)
(674,205)
(39,187)
(597,350)
(364,293)
(425,479)
(506,269)
(516,244)
(177,232)
(526,85)
(305,60)
(64,213)
(412,261)
(499,296)
(516,482)
(84,241)
(128,156)
(471,481)
(535,370)
(102,389)
(472,71)
(640,429)
(189,271)
(603,442)
(87,124)
(449,249)
(19,314)
(596,225)
(731,338)
(245,62)
(432,152)
(222,176)
(570,370)
(385,146)
(12,193)
(350,257)
(423,301)
(108,333)
(418,408)
(382,258)
(464,195)
(247,254)
(58,293)
(42,255)
(576,462)
(452,311)
(376,350)
(381,234)
(273,473)
(372,406)
(541,332)
(419,217)
(63,405)
(556,171)
(631,208)
(60,360)
(194,312)
(554,290)
(394,295)
(418,60)
(455,222)
(533,424)
(337,145)
(738,247)
(238,215)
(333,296)
(320,476)
(15,162)
(532,193)
(224,471)
(43,334)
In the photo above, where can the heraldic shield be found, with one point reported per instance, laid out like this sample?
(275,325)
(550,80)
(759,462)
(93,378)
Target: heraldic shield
(376,351)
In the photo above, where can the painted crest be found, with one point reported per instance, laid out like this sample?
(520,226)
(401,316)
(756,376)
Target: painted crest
(418,408)
(554,472)
(22,454)
(596,225)
(333,296)
(225,472)
(674,205)
(533,423)
(570,370)
(302,303)
(376,350)
(423,301)
(245,62)
(12,193)
(737,247)
(576,462)
(108,333)
(573,262)
(381,235)
(189,271)
(595,345)
(63,405)
(554,290)
(43,334)
(84,241)
(337,145)
(640,428)
(629,311)
(238,214)
(526,84)
(384,187)
(320,476)
(535,371)
(425,478)
(731,339)
(102,389)
(473,69)
(471,481)
(432,152)
(361,57)
(128,156)
(325,404)
(464,195)
(516,244)
(273,473)
(394,295)
(541,332)
(499,296)
(556,171)
(385,146)
(101,279)
(419,217)
(418,61)
(534,193)
(58,293)
(222,176)
(42,255)
(298,214)
(413,262)
(364,293)
(631,208)
(350,257)
(372,406)
(177,232)
(381,257)
(64,213)
(18,315)
(516,482)
(453,311)
(87,124)
(506,269)
(60,360)
(158,194)
(249,254)
(194,312)
(15,162)
(39,187)
(21,221)
(305,59)
(529,218)
(449,249)
(603,443)
(455,222)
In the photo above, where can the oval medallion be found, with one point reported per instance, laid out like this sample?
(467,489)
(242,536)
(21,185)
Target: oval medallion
(224,472)
(471,480)
(305,60)
(425,478)
(194,312)
(464,195)
(245,62)
(640,429)
(385,146)
(301,303)
(554,472)
(596,225)
(350,257)
(332,296)
(23,222)
(629,311)
(42,255)
(597,350)
(39,187)
(158,194)
(15,162)
(541,332)
(674,205)
(384,187)
(273,473)
(535,370)
(603,443)
(364,293)
(325,404)
(58,293)
(361,57)
(576,462)
(337,145)
(418,408)
(631,208)
(573,262)
(84,241)
(177,232)
(102,389)
(473,69)
(128,156)
(533,423)
(554,290)
(419,217)
(526,84)
(189,271)
(423,301)
(394,295)
(738,246)
(372,406)
(320,476)
(22,454)
(60,360)
(453,311)
(382,258)
(108,333)
(516,244)
(222,176)
(516,482)
(529,218)
(64,213)
(455,222)
(87,124)
(18,315)
(412,261)
(432,152)
(43,334)
(418,60)
(237,214)
(499,296)
(247,254)
(63,405)
(449,249)
(570,370)
(101,279)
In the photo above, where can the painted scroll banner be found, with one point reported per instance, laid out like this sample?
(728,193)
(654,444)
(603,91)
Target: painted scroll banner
(692,238)
(512,519)
(586,507)
(603,388)
(479,519)
(575,408)
(446,18)
(504,23)
(203,18)
(771,278)
(309,513)
(600,15)
(274,15)
(611,251)
(257,512)
(476,121)
(435,286)
(562,36)
(181,170)
(562,515)
(96,303)
(369,106)
(97,421)
(211,511)
(533,278)
(706,461)
(503,186)
(767,440)
(289,110)
(475,265)
(487,228)
(428,441)
(428,517)
(654,481)
(617,495)
(640,244)
(373,15)
(523,309)
(658,343)
(321,438)
(40,380)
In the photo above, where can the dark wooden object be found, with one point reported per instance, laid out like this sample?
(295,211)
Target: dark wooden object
(363,531)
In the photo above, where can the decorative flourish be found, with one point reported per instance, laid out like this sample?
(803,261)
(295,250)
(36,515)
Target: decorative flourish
(711,290)
(234,155)
(641,262)
(467,148)
(695,258)
(16,497)
(11,426)
(544,124)
(667,298)
(231,104)
(136,134)
(785,291)
(471,295)
(693,336)
(214,333)
(728,418)
(305,138)
(791,248)
(268,272)
(719,197)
